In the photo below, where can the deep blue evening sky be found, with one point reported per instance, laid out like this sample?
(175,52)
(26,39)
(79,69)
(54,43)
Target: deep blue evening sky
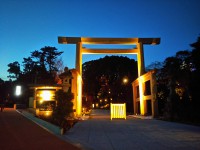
(28,25)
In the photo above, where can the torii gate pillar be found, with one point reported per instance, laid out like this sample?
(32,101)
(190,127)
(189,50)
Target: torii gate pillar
(79,57)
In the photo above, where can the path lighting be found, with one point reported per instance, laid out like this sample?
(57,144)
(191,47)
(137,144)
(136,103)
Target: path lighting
(97,105)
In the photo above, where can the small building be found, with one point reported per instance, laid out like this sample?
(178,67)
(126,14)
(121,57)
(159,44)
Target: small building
(43,99)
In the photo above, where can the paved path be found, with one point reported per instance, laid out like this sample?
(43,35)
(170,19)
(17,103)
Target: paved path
(19,133)
(100,133)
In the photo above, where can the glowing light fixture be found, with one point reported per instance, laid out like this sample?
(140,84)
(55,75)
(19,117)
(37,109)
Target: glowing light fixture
(46,95)
(97,105)
(125,80)
(48,113)
(18,90)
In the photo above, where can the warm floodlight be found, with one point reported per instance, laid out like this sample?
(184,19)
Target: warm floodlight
(125,80)
(46,95)
(18,90)
(48,113)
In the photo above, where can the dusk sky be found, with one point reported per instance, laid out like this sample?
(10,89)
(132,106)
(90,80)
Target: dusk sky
(28,25)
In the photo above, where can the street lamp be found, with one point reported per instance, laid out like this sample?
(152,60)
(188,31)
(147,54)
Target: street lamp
(125,80)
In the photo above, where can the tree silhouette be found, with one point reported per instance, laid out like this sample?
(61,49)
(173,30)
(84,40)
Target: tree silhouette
(50,54)
(196,54)
(14,70)
(178,81)
(28,65)
(102,78)
(40,67)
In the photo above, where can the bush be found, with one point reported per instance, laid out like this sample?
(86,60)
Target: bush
(63,109)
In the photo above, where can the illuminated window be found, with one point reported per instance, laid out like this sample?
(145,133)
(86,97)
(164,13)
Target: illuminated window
(45,95)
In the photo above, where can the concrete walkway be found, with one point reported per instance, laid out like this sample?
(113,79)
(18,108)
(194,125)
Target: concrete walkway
(100,133)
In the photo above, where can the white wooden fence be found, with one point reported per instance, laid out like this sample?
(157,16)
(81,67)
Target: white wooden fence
(117,111)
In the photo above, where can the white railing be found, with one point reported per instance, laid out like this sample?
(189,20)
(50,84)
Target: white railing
(117,111)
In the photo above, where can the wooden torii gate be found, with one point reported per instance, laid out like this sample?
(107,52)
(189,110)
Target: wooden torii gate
(80,50)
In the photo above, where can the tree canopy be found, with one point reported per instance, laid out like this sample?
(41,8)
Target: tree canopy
(103,78)
(178,80)
(40,67)
(14,70)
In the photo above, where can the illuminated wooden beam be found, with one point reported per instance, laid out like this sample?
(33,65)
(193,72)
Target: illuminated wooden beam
(109,51)
(123,41)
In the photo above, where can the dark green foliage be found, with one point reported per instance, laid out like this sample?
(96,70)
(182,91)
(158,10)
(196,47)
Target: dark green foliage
(49,55)
(14,70)
(196,54)
(64,107)
(179,84)
(39,68)
(103,79)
